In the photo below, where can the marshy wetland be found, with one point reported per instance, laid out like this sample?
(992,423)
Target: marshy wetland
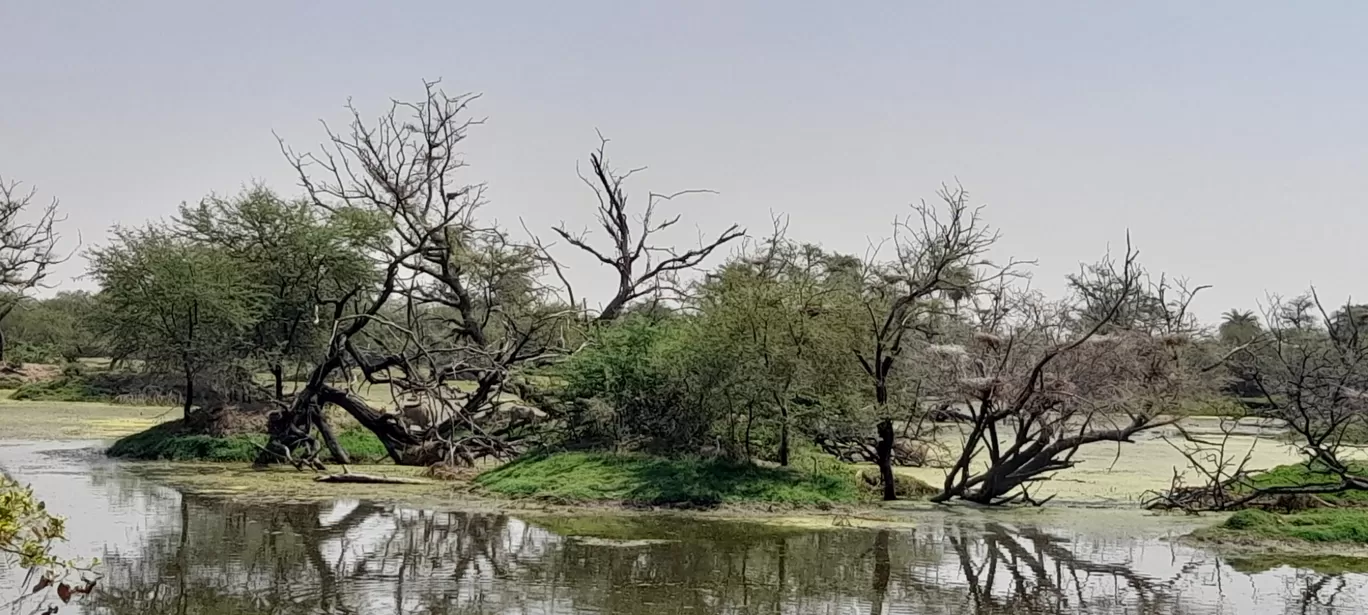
(217,539)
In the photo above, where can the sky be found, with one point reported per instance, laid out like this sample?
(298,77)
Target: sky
(1228,138)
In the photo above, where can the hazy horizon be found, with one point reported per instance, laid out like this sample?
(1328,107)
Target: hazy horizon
(1226,137)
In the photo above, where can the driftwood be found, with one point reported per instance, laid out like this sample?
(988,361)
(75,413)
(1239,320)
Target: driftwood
(371,479)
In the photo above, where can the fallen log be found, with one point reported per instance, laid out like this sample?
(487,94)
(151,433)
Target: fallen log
(371,479)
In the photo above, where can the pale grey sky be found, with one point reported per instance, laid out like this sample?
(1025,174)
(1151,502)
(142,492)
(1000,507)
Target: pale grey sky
(1229,137)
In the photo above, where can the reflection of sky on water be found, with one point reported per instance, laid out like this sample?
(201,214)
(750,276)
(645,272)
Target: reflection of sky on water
(350,556)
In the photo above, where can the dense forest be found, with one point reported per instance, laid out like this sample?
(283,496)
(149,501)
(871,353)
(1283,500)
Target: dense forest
(387,274)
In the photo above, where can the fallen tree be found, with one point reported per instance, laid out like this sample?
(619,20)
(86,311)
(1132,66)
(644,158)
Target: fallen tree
(1310,367)
(1040,380)
(457,307)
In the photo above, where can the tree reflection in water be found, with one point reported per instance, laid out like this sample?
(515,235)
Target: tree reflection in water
(220,557)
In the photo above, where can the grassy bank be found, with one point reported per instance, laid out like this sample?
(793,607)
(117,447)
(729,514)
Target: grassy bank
(1300,474)
(655,481)
(173,442)
(1311,526)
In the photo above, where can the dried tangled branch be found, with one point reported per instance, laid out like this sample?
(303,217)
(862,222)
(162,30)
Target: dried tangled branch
(643,268)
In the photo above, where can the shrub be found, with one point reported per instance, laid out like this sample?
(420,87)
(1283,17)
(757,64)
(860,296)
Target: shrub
(173,441)
(1248,519)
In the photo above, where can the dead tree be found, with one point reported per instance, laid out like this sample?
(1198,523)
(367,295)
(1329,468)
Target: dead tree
(643,268)
(28,247)
(1311,369)
(1041,380)
(453,295)
(937,250)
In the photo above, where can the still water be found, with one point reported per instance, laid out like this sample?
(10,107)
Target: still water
(163,552)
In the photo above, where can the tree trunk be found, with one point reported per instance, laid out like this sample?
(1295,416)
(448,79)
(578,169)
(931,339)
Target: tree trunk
(278,373)
(3,343)
(339,454)
(189,391)
(783,435)
(884,451)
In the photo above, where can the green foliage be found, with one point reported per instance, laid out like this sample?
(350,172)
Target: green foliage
(634,378)
(173,302)
(27,530)
(291,257)
(66,388)
(763,350)
(171,442)
(1238,327)
(647,480)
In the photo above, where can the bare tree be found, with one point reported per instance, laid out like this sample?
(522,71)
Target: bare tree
(454,297)
(938,249)
(643,268)
(1311,370)
(1040,380)
(28,247)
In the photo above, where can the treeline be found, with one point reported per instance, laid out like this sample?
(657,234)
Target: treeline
(387,272)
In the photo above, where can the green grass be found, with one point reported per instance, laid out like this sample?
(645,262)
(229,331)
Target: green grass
(1318,526)
(170,442)
(645,480)
(1299,474)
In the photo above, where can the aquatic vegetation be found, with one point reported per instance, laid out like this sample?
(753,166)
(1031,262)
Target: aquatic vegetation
(647,480)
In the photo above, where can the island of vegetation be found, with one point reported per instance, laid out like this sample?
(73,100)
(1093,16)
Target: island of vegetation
(383,317)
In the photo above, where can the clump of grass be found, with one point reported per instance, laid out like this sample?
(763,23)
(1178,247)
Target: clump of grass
(66,388)
(1249,519)
(1301,474)
(646,480)
(171,442)
(1322,526)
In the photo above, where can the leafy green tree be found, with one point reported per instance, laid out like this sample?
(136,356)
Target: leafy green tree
(57,327)
(175,303)
(784,323)
(296,256)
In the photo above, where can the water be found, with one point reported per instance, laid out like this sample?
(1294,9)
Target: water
(168,553)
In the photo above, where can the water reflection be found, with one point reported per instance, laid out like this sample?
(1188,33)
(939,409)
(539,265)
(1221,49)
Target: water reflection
(216,556)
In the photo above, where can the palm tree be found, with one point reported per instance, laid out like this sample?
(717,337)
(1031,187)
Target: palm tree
(1238,327)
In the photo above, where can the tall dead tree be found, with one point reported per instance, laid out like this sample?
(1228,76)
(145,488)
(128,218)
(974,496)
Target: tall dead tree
(643,268)
(1039,380)
(454,296)
(941,248)
(28,247)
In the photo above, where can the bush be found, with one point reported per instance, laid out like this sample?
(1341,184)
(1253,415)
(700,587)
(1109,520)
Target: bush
(173,441)
(74,389)
(647,480)
(1248,519)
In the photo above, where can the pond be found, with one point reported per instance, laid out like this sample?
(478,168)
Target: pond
(164,552)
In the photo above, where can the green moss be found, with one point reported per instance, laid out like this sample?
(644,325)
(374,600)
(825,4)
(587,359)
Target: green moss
(171,442)
(641,479)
